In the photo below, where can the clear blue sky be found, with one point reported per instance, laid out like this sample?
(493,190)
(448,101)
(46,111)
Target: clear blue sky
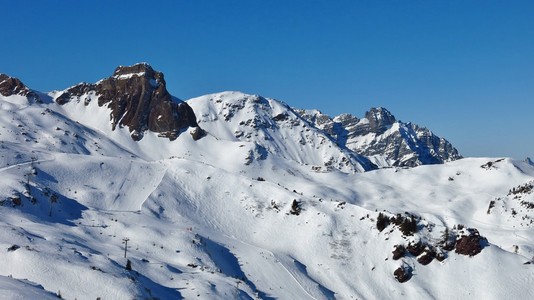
(464,69)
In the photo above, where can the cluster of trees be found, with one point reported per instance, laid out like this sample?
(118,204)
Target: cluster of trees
(407,224)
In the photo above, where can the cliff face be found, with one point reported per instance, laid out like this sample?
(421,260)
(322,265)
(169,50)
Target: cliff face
(138,99)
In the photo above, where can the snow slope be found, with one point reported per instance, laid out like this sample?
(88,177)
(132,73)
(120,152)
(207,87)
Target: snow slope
(215,218)
(273,128)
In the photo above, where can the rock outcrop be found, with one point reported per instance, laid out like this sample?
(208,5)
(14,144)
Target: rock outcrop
(10,86)
(470,243)
(403,274)
(138,99)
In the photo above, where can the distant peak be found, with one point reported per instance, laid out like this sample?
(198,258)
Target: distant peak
(380,113)
(380,119)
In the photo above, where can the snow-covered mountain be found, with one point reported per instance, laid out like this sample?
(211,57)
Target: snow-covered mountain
(380,136)
(274,129)
(249,200)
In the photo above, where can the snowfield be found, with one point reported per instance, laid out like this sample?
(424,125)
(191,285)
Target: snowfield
(271,212)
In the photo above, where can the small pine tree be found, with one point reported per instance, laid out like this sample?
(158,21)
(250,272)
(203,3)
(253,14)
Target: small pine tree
(445,236)
(295,208)
(408,226)
(128,265)
(382,222)
(53,199)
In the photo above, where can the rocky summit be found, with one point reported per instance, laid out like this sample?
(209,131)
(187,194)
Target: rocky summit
(379,134)
(10,86)
(138,99)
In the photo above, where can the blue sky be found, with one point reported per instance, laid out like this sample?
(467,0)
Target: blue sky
(464,69)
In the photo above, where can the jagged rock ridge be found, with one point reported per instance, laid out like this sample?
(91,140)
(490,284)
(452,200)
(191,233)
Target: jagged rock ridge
(10,86)
(379,134)
(138,99)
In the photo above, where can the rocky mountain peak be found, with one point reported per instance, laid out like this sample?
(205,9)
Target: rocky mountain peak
(142,70)
(138,99)
(134,69)
(10,86)
(381,136)
(380,119)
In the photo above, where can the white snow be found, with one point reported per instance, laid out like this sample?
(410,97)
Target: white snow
(128,76)
(211,219)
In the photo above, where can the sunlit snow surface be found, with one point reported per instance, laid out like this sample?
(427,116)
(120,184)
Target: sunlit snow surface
(210,219)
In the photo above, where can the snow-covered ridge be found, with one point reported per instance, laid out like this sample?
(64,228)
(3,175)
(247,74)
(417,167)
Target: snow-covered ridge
(274,128)
(269,204)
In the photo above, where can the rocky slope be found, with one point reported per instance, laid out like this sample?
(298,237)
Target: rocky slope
(380,135)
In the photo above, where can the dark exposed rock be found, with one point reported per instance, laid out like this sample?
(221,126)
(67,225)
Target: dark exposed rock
(10,86)
(415,249)
(139,100)
(399,252)
(281,117)
(197,133)
(525,189)
(403,274)
(16,201)
(13,248)
(426,257)
(75,91)
(380,120)
(470,244)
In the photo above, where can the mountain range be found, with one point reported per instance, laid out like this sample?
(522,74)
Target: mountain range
(119,190)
